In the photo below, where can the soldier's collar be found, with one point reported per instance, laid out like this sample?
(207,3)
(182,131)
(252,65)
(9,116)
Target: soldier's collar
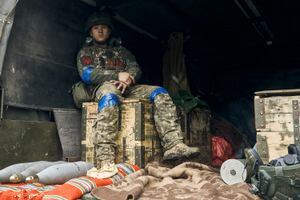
(102,45)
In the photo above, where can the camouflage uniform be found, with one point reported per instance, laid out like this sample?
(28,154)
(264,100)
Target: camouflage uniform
(97,66)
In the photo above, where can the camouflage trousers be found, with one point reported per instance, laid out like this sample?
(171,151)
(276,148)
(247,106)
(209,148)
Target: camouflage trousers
(106,126)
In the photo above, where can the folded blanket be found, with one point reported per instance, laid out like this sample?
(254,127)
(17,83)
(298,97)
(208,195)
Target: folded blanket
(72,189)
(188,180)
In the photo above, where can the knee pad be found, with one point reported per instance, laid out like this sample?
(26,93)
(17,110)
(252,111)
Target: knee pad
(108,100)
(156,92)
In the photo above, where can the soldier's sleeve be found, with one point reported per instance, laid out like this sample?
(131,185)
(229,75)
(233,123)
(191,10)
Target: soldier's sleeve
(89,73)
(132,67)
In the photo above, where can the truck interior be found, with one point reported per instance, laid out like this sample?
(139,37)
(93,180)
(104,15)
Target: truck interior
(232,49)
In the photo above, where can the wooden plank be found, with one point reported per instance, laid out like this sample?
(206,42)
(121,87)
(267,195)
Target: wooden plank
(279,104)
(277,143)
(278,92)
(90,110)
(135,101)
(278,122)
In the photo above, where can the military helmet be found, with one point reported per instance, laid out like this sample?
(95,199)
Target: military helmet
(97,19)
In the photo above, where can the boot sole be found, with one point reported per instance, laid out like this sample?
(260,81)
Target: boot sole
(177,157)
(195,154)
(173,157)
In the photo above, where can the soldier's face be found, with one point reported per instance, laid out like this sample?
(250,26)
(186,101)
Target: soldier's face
(100,33)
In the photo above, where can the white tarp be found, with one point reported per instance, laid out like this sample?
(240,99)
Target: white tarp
(6,21)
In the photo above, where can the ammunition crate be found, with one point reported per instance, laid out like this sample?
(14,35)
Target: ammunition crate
(196,128)
(277,122)
(137,143)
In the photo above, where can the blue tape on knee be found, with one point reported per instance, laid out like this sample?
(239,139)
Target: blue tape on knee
(156,92)
(108,100)
(86,74)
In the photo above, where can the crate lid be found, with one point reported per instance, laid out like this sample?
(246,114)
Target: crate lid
(283,92)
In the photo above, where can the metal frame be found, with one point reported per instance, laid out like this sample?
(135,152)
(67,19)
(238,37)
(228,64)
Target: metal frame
(256,19)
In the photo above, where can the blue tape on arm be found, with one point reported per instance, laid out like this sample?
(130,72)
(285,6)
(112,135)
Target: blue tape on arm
(156,92)
(86,74)
(108,100)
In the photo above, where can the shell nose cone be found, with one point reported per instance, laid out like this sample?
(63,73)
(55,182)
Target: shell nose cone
(32,179)
(15,178)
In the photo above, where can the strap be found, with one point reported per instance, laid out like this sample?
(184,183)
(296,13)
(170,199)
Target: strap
(280,196)
(295,182)
(264,182)
(279,171)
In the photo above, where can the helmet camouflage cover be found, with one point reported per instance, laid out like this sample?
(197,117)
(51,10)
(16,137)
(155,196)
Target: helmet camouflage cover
(98,18)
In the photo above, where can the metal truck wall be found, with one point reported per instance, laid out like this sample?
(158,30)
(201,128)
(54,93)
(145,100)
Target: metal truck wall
(27,141)
(39,67)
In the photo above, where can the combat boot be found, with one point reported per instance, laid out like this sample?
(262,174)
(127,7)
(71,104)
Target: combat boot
(105,169)
(180,151)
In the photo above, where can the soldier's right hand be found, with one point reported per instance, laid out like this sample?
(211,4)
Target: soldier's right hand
(122,86)
(125,77)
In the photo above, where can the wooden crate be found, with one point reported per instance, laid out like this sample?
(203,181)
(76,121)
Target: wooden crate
(137,143)
(197,132)
(277,122)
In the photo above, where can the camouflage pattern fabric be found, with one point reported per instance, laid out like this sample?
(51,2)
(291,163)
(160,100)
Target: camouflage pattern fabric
(165,117)
(106,129)
(97,66)
(167,121)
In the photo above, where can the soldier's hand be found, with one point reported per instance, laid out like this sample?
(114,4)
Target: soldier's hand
(125,77)
(122,86)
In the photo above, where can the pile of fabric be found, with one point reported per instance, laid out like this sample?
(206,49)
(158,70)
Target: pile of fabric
(189,180)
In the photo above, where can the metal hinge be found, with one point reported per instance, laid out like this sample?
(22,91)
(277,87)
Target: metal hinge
(296,114)
(260,118)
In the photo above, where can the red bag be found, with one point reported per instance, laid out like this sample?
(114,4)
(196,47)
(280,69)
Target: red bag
(221,151)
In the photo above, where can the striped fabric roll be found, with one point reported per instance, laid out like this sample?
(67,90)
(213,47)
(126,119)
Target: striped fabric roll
(75,188)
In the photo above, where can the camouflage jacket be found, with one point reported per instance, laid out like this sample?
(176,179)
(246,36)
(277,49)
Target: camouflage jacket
(97,65)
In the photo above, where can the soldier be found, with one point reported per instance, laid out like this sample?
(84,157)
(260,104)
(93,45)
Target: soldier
(110,73)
